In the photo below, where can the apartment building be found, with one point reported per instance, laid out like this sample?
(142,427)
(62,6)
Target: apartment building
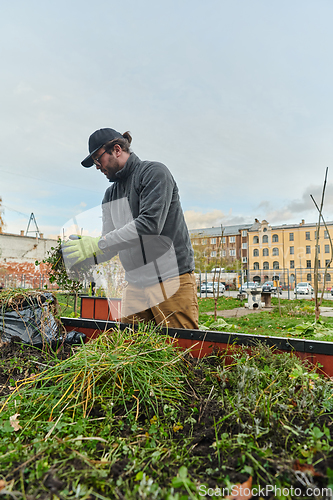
(228,242)
(287,252)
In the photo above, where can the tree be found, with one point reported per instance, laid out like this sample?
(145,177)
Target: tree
(217,277)
(70,281)
(318,302)
(200,250)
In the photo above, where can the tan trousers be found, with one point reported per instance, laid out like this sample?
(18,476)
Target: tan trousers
(178,311)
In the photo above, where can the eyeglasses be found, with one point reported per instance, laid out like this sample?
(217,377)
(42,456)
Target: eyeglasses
(97,161)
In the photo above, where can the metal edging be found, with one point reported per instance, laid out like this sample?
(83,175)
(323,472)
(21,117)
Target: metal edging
(281,343)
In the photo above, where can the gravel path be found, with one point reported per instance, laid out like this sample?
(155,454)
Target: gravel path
(239,311)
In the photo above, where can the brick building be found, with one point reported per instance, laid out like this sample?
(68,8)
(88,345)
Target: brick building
(228,242)
(18,254)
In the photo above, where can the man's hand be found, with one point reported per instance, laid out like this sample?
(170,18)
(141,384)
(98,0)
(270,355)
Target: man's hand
(81,249)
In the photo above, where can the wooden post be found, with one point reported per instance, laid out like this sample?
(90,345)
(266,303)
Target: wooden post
(267,298)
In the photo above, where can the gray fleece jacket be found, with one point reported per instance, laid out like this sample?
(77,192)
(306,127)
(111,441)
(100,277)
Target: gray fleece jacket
(144,222)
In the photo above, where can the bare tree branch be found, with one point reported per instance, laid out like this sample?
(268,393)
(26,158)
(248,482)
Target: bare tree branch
(317,310)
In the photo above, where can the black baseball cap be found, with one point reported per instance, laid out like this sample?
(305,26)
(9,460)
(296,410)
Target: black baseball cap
(97,140)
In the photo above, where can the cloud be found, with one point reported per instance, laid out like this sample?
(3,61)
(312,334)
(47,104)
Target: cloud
(303,207)
(198,220)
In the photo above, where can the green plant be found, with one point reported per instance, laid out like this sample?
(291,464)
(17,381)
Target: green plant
(67,280)
(219,324)
(183,481)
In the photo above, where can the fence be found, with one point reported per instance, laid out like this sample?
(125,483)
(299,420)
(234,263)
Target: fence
(27,281)
(286,278)
(289,278)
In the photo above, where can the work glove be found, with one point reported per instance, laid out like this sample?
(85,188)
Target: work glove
(80,249)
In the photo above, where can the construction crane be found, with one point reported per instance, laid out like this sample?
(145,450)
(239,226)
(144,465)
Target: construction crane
(33,219)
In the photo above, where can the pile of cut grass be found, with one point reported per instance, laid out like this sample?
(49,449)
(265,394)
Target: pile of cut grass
(132,369)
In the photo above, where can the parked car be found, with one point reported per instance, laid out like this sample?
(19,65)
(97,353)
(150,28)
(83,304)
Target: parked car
(247,285)
(209,287)
(268,286)
(303,288)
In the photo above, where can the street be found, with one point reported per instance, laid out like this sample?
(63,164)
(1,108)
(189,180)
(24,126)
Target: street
(284,295)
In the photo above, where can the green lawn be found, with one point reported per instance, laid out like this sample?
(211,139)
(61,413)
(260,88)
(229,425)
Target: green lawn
(297,319)
(223,302)
(66,304)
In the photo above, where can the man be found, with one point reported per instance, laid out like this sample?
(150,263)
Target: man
(142,221)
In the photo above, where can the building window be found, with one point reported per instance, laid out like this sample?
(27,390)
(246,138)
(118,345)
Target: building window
(275,265)
(328,277)
(255,239)
(266,265)
(244,234)
(327,249)
(232,252)
(265,252)
(308,263)
(244,246)
(327,263)
(224,253)
(275,251)
(213,254)
(256,252)
(318,248)
(265,229)
(318,264)
(291,236)
(307,249)
(204,241)
(265,239)
(307,235)
(326,235)
(244,260)
(256,265)
(309,277)
(292,264)
(275,238)
(213,241)
(291,250)
(232,239)
(224,239)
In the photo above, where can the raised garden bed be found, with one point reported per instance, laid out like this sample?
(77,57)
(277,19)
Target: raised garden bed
(130,416)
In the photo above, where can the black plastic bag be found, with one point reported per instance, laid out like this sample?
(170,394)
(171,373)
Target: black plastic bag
(32,322)
(72,338)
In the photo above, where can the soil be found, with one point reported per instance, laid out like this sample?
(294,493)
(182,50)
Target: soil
(19,361)
(239,311)
(244,311)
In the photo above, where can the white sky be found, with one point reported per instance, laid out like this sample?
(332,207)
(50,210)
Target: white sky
(235,97)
